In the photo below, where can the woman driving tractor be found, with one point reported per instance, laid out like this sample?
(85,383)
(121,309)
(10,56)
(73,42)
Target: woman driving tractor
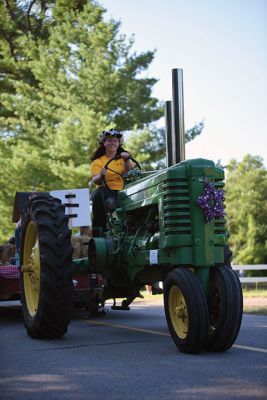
(109,146)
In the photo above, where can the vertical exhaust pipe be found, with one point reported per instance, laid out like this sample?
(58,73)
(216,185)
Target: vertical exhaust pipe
(174,121)
(178,132)
(168,133)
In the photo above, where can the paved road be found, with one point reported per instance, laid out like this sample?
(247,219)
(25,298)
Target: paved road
(127,356)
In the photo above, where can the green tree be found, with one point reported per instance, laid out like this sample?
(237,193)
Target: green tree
(79,60)
(18,21)
(246,208)
(65,74)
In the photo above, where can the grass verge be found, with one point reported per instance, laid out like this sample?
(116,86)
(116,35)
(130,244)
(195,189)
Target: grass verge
(262,293)
(255,301)
(259,310)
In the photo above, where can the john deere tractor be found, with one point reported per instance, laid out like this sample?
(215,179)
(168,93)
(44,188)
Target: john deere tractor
(168,226)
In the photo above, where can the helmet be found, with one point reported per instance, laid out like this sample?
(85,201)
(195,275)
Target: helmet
(111,133)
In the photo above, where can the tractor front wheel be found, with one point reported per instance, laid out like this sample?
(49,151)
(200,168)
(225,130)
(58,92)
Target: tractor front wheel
(225,304)
(186,310)
(46,268)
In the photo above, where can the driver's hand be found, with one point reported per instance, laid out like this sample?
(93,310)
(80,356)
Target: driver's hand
(125,156)
(103,172)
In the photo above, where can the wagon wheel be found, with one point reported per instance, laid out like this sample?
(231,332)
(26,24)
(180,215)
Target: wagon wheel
(186,310)
(46,268)
(128,176)
(225,304)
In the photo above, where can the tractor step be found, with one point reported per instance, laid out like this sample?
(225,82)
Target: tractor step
(125,308)
(124,304)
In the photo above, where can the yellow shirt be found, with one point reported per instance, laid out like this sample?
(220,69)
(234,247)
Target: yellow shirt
(114,181)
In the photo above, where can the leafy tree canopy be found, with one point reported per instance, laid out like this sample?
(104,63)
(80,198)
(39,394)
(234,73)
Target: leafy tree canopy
(67,73)
(246,207)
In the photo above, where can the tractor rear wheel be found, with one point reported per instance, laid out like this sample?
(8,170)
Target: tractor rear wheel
(46,268)
(225,304)
(186,310)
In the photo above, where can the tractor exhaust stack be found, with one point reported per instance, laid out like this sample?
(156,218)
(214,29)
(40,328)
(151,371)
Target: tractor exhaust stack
(174,121)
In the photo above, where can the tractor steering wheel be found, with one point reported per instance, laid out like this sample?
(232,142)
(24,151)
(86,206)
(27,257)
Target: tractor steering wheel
(129,176)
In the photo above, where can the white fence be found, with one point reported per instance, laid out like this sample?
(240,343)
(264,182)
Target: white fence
(251,279)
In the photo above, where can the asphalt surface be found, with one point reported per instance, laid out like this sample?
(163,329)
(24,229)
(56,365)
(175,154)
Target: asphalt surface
(127,356)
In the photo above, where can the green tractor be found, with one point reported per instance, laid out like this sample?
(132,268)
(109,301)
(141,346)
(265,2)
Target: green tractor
(168,226)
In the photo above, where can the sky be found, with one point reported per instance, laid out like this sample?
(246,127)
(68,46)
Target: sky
(221,45)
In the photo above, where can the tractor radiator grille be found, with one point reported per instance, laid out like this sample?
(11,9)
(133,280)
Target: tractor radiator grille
(219,223)
(177,220)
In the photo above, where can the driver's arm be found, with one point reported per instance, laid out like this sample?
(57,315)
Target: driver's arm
(98,178)
(97,172)
(127,163)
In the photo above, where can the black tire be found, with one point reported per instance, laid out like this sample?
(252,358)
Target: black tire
(225,304)
(46,272)
(183,293)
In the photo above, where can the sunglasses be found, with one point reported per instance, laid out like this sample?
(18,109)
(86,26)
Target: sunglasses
(112,133)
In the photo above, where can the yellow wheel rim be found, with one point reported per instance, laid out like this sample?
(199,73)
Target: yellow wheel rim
(31,268)
(178,312)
